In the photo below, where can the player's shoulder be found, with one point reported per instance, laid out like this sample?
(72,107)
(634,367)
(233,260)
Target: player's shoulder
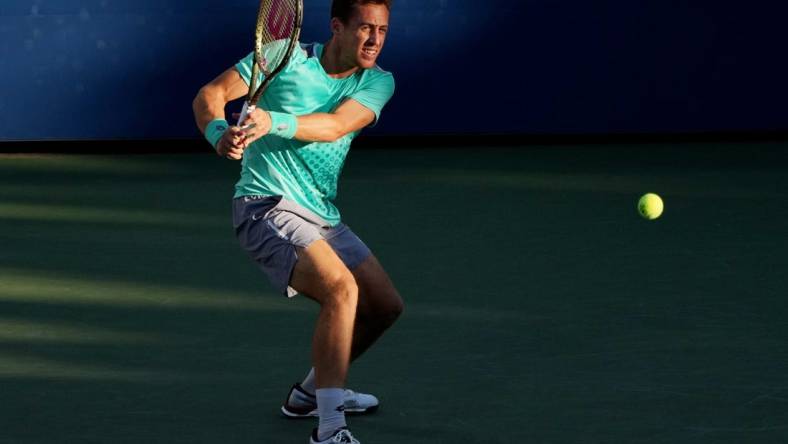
(298,53)
(377,75)
(308,50)
(377,71)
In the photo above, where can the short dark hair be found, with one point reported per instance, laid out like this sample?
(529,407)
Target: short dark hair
(343,9)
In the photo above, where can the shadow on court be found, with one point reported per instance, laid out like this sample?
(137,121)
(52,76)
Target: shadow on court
(539,307)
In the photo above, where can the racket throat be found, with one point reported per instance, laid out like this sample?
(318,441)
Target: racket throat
(245,111)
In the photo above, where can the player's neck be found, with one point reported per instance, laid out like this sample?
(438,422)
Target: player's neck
(331,61)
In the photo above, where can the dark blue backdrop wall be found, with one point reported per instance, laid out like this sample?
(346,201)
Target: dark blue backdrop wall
(128,69)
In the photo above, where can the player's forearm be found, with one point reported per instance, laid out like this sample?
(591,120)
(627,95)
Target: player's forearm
(320,127)
(208,105)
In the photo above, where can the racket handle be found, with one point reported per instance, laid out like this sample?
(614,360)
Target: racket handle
(245,111)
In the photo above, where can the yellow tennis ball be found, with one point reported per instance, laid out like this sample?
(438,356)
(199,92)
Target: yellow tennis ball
(650,206)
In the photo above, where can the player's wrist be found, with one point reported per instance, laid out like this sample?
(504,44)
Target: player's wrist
(215,130)
(283,125)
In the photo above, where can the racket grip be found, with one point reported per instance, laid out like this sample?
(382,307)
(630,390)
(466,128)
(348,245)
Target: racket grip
(245,111)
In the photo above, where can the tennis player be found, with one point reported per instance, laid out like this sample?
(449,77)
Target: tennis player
(292,149)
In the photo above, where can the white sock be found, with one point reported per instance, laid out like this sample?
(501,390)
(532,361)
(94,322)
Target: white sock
(300,399)
(331,408)
(309,382)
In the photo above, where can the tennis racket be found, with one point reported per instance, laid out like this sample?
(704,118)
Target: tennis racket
(275,37)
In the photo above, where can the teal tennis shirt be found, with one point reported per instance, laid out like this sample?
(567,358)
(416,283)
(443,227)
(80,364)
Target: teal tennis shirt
(303,172)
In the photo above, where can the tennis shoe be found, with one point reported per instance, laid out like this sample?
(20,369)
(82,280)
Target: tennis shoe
(355,403)
(341,436)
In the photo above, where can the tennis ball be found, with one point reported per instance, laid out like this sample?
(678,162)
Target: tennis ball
(650,206)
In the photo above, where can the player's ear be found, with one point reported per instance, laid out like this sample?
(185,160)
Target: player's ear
(337,26)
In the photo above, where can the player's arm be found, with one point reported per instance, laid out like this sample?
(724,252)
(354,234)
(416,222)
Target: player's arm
(348,117)
(209,106)
(212,98)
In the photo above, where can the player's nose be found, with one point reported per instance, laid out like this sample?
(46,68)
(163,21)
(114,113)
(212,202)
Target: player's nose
(373,39)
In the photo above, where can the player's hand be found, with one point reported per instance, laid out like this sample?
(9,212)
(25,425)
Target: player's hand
(256,125)
(231,145)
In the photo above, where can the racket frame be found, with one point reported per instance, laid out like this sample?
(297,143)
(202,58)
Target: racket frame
(255,92)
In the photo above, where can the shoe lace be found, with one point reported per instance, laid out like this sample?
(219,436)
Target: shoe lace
(344,437)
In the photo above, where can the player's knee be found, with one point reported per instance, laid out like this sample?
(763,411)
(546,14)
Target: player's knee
(394,311)
(388,312)
(342,290)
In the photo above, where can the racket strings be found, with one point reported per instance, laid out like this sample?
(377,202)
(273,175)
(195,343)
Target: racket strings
(278,22)
(275,22)
(281,19)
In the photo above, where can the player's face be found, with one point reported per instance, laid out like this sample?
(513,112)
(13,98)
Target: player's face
(363,36)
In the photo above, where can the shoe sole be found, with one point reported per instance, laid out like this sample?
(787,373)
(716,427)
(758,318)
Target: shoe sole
(313,414)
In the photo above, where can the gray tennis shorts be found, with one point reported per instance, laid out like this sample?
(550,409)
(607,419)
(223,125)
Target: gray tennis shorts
(270,228)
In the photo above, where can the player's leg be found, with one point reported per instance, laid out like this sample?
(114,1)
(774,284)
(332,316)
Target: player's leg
(379,304)
(322,276)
